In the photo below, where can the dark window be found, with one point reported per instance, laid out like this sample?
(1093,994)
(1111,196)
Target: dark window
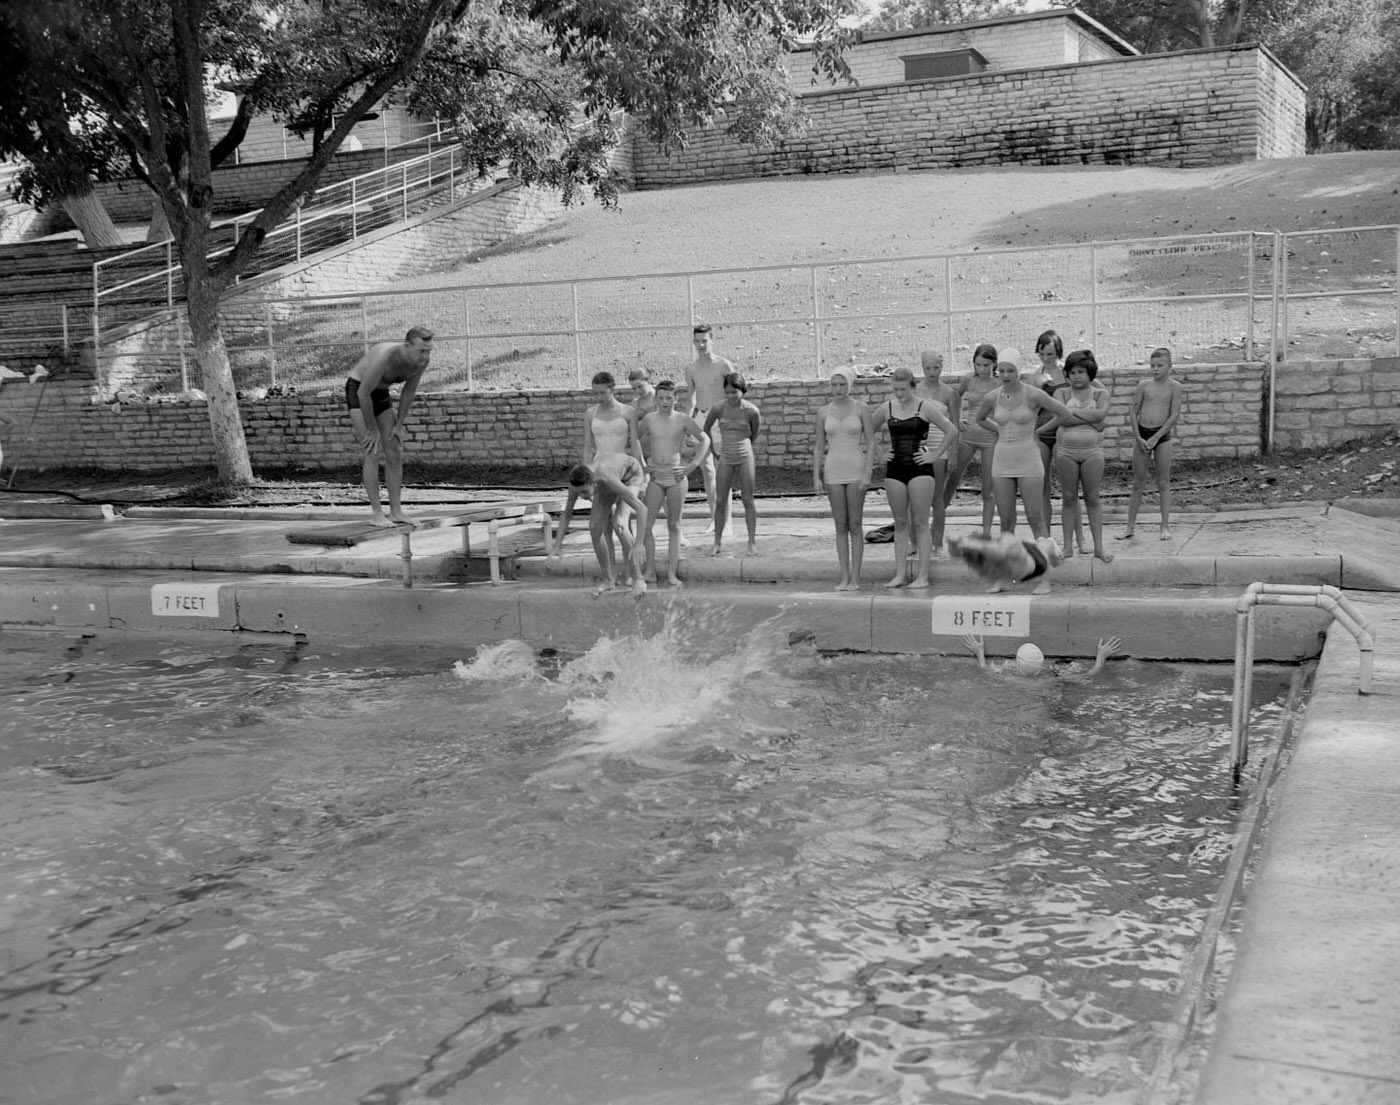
(945,63)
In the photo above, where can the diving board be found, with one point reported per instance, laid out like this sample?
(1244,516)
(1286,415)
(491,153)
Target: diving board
(349,534)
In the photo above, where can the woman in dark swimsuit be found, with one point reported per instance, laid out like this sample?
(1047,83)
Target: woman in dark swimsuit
(909,477)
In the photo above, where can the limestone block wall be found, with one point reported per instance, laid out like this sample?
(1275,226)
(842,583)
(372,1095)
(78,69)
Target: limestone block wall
(1319,404)
(1189,109)
(1041,38)
(74,426)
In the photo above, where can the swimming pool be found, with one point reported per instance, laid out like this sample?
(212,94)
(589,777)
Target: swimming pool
(698,867)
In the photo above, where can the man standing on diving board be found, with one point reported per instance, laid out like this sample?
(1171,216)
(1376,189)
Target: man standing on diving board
(380,434)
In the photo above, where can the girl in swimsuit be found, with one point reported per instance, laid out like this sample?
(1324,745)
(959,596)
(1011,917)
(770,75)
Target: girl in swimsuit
(739,423)
(909,480)
(1049,377)
(1010,411)
(841,461)
(1079,455)
(949,404)
(973,438)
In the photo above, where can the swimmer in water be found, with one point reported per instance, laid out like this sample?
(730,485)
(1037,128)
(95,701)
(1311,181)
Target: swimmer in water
(1030,660)
(1006,559)
(611,484)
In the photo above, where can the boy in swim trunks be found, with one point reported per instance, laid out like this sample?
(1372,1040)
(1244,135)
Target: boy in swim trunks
(664,433)
(377,428)
(1155,409)
(704,379)
(610,483)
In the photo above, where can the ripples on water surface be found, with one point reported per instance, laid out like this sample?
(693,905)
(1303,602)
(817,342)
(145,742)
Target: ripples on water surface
(695,868)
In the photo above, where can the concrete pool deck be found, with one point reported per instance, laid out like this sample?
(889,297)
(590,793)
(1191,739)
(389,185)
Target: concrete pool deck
(1312,1008)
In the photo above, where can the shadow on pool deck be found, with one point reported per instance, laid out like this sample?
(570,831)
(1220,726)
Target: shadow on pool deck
(1312,1009)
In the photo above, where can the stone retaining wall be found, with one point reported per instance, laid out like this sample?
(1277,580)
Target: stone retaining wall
(1188,109)
(1221,418)
(1324,403)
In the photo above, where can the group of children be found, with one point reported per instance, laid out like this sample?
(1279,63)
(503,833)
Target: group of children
(637,459)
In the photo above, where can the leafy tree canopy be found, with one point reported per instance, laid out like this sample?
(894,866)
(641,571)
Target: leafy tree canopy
(122,88)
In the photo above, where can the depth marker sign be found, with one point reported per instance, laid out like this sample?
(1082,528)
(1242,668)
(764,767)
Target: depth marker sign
(185,600)
(982,615)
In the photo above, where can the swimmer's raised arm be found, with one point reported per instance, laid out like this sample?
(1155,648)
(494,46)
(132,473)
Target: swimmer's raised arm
(1107,647)
(975,645)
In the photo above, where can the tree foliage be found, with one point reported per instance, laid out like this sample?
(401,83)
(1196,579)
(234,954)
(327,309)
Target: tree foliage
(906,15)
(117,88)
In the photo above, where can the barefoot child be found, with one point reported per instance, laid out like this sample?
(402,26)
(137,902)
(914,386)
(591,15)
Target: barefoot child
(1079,455)
(611,483)
(1154,413)
(739,422)
(665,432)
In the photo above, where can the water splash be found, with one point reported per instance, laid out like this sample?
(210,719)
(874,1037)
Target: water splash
(632,691)
(509,661)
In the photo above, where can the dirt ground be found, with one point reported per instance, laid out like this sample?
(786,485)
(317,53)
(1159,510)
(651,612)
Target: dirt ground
(1368,469)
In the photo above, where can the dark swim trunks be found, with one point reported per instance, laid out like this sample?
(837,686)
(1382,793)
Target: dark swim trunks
(1147,431)
(379,397)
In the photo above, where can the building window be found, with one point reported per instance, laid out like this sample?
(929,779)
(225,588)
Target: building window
(945,63)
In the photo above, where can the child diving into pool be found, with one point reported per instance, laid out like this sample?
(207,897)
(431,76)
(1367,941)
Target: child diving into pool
(1006,559)
(610,483)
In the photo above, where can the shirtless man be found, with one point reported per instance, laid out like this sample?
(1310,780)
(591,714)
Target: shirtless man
(1155,409)
(664,434)
(705,381)
(610,483)
(380,434)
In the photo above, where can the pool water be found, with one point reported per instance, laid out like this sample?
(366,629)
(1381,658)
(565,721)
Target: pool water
(696,868)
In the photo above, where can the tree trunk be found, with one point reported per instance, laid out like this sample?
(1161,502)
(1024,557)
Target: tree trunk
(216,379)
(91,219)
(159,230)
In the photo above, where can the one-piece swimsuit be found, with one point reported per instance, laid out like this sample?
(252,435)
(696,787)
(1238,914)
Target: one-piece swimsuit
(1016,455)
(907,437)
(845,458)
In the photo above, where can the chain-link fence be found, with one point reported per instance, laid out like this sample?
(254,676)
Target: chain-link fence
(1209,297)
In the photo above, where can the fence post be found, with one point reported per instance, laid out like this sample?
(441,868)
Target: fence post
(170,273)
(354,209)
(96,321)
(182,343)
(298,235)
(1094,295)
(1249,314)
(816,325)
(948,302)
(1274,349)
(63,319)
(271,348)
(1397,291)
(578,348)
(467,330)
(364,324)
(403,173)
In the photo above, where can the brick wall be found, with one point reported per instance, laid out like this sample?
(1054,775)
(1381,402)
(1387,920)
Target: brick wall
(1319,404)
(1220,417)
(1044,38)
(1195,108)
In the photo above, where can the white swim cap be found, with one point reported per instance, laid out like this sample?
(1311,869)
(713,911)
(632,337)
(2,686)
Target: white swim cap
(1029,659)
(1012,356)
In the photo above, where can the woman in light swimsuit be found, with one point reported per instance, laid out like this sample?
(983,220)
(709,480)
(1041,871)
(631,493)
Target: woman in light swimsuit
(610,428)
(1079,455)
(909,480)
(1016,467)
(974,438)
(841,462)
(739,423)
(949,404)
